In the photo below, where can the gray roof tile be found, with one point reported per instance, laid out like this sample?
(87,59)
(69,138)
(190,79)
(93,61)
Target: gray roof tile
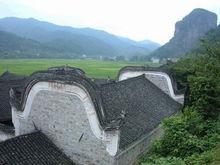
(144,104)
(33,148)
(135,106)
(7,81)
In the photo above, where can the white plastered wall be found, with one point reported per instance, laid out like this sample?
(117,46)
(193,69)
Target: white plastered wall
(109,138)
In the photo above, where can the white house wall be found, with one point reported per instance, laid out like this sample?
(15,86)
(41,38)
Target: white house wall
(65,113)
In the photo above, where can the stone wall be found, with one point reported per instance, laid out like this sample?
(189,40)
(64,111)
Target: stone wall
(62,117)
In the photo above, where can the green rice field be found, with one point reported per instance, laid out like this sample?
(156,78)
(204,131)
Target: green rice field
(93,68)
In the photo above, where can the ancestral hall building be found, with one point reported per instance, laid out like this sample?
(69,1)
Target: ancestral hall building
(88,121)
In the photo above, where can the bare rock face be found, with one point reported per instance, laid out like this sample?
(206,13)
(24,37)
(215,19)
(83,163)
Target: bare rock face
(188,31)
(193,27)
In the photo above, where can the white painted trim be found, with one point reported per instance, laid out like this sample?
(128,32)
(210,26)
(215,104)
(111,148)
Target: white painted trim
(110,138)
(130,74)
(15,121)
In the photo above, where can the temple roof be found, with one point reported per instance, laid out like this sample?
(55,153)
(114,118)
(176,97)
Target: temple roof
(33,148)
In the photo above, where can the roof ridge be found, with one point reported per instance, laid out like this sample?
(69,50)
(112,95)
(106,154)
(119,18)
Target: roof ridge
(156,69)
(142,77)
(9,76)
(68,78)
(125,80)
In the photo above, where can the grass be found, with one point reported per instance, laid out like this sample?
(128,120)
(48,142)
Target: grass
(93,68)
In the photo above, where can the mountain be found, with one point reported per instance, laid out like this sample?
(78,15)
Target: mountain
(212,38)
(188,31)
(12,46)
(213,35)
(150,44)
(80,41)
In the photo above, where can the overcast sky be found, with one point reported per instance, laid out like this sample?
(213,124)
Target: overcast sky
(135,19)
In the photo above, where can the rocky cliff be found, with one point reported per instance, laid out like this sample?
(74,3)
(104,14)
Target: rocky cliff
(187,33)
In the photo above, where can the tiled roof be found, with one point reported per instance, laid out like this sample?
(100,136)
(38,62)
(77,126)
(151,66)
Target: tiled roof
(156,69)
(142,103)
(135,106)
(8,81)
(102,81)
(33,148)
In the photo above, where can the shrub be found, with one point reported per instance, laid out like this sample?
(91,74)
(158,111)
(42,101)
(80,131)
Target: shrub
(156,160)
(204,95)
(191,137)
(186,135)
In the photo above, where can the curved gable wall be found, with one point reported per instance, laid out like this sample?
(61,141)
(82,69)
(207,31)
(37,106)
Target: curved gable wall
(65,113)
(160,79)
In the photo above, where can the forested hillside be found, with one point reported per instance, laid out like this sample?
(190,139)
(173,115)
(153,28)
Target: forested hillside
(12,46)
(212,37)
(193,138)
(69,42)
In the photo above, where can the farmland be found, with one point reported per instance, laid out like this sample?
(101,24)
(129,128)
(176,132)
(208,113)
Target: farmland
(93,68)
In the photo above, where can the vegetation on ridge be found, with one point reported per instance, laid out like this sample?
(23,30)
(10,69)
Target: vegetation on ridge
(193,138)
(48,40)
(187,33)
